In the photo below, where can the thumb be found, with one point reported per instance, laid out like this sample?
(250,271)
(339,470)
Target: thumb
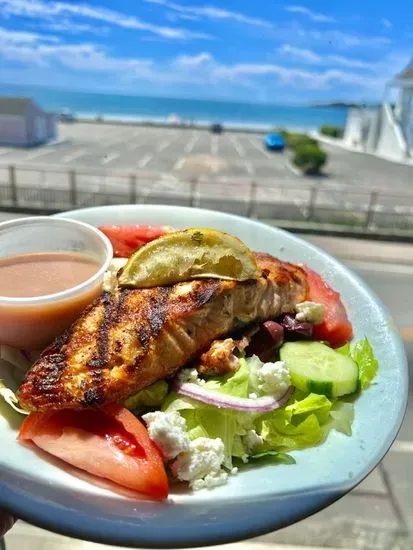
(6,522)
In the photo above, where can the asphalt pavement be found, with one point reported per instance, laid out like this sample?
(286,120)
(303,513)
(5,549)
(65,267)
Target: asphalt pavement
(181,151)
(128,148)
(366,171)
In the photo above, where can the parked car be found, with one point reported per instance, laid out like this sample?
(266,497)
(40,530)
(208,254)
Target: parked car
(274,142)
(216,128)
(66,116)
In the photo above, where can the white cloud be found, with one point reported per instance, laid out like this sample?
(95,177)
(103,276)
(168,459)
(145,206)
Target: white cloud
(36,49)
(43,50)
(22,37)
(202,73)
(297,77)
(211,12)
(191,61)
(300,54)
(52,10)
(314,16)
(308,37)
(185,16)
(340,39)
(351,63)
(70,27)
(386,23)
(308,56)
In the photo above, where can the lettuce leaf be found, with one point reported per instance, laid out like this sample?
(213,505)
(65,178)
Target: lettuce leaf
(362,353)
(313,403)
(305,422)
(298,425)
(345,350)
(272,457)
(207,421)
(152,396)
(235,384)
(280,434)
(341,417)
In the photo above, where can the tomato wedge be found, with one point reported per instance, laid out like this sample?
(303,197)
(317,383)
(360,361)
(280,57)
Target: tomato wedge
(126,239)
(336,328)
(109,442)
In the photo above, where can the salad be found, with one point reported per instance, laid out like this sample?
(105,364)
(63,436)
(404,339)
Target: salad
(249,360)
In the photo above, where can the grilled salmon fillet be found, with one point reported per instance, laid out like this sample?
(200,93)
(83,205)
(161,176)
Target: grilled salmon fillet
(128,339)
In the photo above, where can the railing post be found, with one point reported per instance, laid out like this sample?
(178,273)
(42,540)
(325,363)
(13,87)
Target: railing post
(253,199)
(72,188)
(193,192)
(374,195)
(13,185)
(312,202)
(132,189)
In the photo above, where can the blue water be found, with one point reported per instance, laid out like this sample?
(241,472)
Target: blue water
(130,107)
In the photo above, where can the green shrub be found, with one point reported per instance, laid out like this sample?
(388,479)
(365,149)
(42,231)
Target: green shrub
(295,140)
(332,131)
(309,158)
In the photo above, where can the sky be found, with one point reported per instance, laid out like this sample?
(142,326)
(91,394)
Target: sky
(267,51)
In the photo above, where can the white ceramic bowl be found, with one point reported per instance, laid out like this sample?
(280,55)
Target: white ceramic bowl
(257,500)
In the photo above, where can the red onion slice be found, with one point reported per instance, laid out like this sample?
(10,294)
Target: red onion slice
(224,401)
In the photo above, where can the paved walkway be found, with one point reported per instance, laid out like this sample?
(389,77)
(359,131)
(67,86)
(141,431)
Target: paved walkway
(340,144)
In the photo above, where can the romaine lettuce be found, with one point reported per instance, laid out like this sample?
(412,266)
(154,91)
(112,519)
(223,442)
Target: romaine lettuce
(235,384)
(362,353)
(341,417)
(296,426)
(152,396)
(305,422)
(207,421)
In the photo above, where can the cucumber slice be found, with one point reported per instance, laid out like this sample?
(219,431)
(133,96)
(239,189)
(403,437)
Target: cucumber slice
(314,367)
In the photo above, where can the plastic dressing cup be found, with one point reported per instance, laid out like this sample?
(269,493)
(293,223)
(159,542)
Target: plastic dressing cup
(30,245)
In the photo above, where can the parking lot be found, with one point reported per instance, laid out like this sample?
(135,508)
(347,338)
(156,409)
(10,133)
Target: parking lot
(183,152)
(177,151)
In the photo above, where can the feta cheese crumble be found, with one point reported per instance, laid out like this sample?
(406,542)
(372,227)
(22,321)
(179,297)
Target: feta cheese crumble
(201,464)
(312,312)
(110,279)
(273,378)
(252,440)
(190,376)
(168,431)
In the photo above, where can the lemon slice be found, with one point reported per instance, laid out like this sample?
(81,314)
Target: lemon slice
(191,254)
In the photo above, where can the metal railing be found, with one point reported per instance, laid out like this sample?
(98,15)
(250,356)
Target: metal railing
(54,189)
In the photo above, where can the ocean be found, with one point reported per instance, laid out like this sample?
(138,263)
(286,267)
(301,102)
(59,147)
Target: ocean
(144,108)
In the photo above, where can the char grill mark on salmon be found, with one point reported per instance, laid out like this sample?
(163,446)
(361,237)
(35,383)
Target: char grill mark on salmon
(128,339)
